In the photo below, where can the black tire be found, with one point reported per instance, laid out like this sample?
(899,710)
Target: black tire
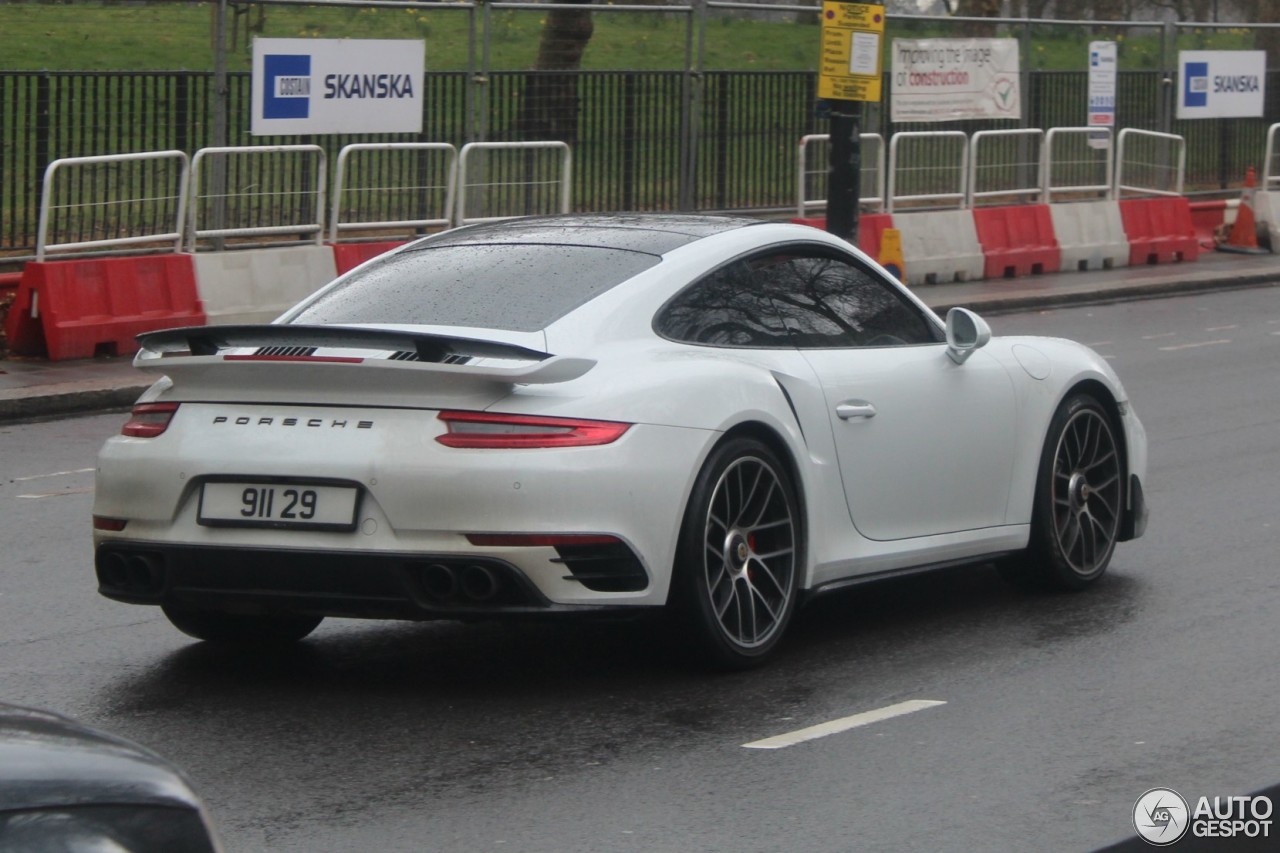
(241,629)
(740,555)
(1079,501)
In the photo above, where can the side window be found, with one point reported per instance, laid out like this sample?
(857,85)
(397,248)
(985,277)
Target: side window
(829,302)
(726,308)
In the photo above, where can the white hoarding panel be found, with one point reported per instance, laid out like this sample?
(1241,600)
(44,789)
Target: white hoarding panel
(954,79)
(1221,83)
(337,86)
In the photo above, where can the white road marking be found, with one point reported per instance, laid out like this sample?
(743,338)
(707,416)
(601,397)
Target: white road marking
(1099,344)
(1161,335)
(54,474)
(843,724)
(80,491)
(1222,328)
(1193,346)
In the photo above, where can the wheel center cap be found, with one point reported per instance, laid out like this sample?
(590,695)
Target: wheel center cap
(1078,491)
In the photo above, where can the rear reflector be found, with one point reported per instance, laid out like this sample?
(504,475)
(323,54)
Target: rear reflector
(149,420)
(538,540)
(115,525)
(489,430)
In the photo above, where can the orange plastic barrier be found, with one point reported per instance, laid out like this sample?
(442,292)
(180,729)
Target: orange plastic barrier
(1017,240)
(870,227)
(348,256)
(82,308)
(1160,230)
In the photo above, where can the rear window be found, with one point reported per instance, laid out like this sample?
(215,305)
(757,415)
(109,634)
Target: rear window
(520,288)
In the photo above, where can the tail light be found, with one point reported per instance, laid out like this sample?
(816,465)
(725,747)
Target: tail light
(149,420)
(486,430)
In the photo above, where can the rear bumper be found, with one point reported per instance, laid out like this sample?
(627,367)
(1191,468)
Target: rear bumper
(370,585)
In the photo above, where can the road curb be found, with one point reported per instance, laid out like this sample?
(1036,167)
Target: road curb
(996,304)
(57,400)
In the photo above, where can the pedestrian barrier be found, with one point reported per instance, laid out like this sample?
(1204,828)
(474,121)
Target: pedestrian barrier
(257,285)
(1159,230)
(348,256)
(422,197)
(1079,168)
(939,246)
(81,308)
(1267,199)
(1267,210)
(502,180)
(1017,241)
(813,169)
(1090,235)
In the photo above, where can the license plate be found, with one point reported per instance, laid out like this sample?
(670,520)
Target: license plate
(296,505)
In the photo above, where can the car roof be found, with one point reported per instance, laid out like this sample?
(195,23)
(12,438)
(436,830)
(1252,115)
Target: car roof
(653,233)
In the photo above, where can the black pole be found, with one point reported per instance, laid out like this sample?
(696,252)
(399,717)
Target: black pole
(846,168)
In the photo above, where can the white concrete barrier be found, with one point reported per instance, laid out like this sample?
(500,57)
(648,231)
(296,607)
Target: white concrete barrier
(939,246)
(1266,212)
(257,285)
(1090,234)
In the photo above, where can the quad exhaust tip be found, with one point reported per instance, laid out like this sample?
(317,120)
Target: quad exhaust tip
(471,584)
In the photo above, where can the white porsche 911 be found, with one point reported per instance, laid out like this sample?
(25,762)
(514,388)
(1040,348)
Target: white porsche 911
(597,415)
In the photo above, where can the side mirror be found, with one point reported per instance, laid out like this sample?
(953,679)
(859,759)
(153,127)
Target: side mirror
(966,332)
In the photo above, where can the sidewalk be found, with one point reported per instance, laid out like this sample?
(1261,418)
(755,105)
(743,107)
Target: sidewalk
(33,388)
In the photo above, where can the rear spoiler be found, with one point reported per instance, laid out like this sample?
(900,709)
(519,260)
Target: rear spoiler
(209,340)
(173,349)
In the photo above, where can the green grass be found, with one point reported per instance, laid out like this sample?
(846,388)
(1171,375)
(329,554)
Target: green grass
(100,36)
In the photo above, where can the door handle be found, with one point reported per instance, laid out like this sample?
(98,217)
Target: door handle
(855,409)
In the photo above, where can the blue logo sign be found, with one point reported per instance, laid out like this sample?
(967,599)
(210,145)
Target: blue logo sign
(1195,86)
(286,86)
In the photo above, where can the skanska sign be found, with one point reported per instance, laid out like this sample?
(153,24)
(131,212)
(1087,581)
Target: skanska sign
(337,86)
(1221,83)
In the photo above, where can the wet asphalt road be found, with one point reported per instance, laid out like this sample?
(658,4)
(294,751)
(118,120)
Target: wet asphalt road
(1060,710)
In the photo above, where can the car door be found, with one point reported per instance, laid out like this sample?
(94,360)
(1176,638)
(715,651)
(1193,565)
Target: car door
(924,445)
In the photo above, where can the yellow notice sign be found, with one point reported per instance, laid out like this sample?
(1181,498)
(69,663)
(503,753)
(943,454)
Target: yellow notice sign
(852,42)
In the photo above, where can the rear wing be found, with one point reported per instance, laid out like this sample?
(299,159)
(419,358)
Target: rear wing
(176,350)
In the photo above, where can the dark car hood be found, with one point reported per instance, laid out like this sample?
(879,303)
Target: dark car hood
(49,760)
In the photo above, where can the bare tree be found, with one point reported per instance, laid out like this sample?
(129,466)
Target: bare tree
(549,102)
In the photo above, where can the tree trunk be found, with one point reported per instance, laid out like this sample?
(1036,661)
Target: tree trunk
(978,9)
(549,103)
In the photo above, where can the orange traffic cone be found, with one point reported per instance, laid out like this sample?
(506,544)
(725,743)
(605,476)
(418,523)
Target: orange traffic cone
(1244,233)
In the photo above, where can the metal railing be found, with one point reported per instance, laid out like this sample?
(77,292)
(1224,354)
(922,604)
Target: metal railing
(504,188)
(148,201)
(1017,172)
(1079,165)
(937,177)
(295,197)
(418,193)
(1145,166)
(872,178)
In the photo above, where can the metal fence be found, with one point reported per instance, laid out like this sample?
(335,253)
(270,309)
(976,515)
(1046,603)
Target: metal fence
(709,134)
